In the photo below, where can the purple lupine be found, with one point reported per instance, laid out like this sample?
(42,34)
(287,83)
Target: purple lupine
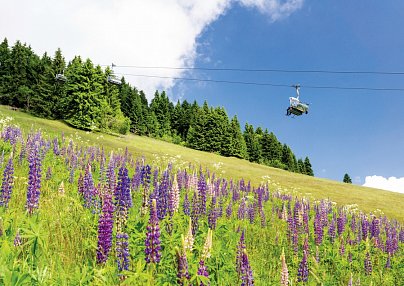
(263,218)
(342,248)
(318,229)
(303,271)
(331,230)
(185,205)
(123,197)
(229,210)
(7,184)
(365,227)
(251,212)
(247,278)
(17,239)
(203,271)
(341,220)
(202,191)
(34,178)
(182,267)
(56,149)
(388,262)
(375,229)
(401,235)
(241,209)
(240,248)
(105,225)
(48,175)
(88,187)
(152,241)
(195,213)
(212,214)
(162,195)
(368,264)
(122,251)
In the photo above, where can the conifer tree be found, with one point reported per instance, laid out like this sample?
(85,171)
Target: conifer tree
(347,179)
(238,146)
(307,167)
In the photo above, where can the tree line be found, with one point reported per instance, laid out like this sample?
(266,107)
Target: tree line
(88,101)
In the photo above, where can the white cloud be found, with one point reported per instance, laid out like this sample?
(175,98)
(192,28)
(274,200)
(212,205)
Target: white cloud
(390,184)
(125,32)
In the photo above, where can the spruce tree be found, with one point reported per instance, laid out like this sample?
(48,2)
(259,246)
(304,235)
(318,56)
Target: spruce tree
(347,179)
(238,146)
(307,167)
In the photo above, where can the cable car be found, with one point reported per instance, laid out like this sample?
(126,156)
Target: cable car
(60,77)
(295,106)
(111,78)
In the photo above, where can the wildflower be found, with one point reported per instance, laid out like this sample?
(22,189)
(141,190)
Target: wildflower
(152,241)
(182,266)
(122,251)
(34,179)
(207,247)
(186,205)
(105,225)
(240,248)
(247,278)
(303,271)
(189,238)
(17,239)
(284,272)
(7,185)
(203,271)
(48,174)
(368,264)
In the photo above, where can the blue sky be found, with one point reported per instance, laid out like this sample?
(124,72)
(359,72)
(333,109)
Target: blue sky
(358,132)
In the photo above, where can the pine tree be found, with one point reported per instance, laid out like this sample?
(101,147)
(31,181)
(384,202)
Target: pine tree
(252,144)
(347,179)
(238,146)
(307,167)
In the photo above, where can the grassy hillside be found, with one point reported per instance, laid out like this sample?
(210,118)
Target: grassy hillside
(367,199)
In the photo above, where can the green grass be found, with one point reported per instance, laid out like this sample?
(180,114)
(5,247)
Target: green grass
(367,199)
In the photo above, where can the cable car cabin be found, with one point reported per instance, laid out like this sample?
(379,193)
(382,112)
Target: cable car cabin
(60,77)
(296,107)
(113,80)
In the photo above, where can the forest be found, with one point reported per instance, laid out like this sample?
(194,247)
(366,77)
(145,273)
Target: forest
(87,100)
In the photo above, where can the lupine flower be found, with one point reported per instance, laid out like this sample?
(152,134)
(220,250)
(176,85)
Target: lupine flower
(105,225)
(318,229)
(202,190)
(365,227)
(162,196)
(331,231)
(241,209)
(341,220)
(375,230)
(195,213)
(203,271)
(7,184)
(388,262)
(317,254)
(152,241)
(284,272)
(189,238)
(122,251)
(303,271)
(1,227)
(212,215)
(17,239)
(207,247)
(175,194)
(34,178)
(247,278)
(48,175)
(240,248)
(350,280)
(368,264)
(182,267)
(229,210)
(186,205)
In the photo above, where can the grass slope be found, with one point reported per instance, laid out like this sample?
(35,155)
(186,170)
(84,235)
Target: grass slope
(367,199)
